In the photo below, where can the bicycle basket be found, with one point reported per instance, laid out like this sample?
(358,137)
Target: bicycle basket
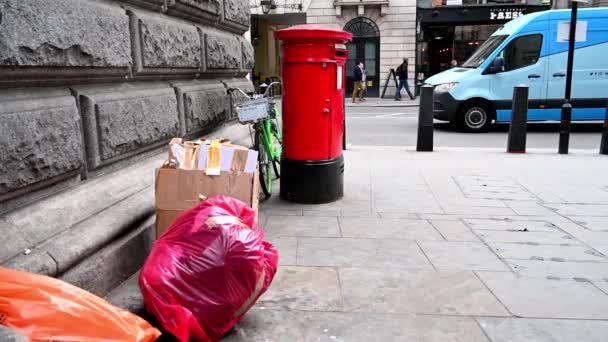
(253,110)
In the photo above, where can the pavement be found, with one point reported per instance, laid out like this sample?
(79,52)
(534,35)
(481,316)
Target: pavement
(386,102)
(453,245)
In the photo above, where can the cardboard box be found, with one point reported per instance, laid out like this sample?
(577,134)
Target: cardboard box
(178,190)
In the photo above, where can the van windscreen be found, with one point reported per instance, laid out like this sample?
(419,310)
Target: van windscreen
(482,53)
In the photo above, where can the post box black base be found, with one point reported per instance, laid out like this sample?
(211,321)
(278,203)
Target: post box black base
(312,181)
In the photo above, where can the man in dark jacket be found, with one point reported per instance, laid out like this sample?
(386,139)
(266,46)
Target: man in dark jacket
(402,74)
(358,82)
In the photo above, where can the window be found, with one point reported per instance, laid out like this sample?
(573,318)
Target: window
(522,52)
(484,51)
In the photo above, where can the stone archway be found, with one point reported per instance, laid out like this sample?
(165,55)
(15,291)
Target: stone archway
(364,47)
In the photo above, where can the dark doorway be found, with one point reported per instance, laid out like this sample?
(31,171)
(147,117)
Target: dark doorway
(440,45)
(365,47)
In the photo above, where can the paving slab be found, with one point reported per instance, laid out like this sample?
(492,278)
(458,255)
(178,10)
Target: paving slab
(603,285)
(287,247)
(358,213)
(399,202)
(454,230)
(505,188)
(543,330)
(348,252)
(409,291)
(442,217)
(580,209)
(547,298)
(291,326)
(303,288)
(450,256)
(547,252)
(582,192)
(601,248)
(459,201)
(590,237)
(398,215)
(326,213)
(528,208)
(402,229)
(595,223)
(282,212)
(585,270)
(546,238)
(510,225)
(302,226)
(478,210)
(345,204)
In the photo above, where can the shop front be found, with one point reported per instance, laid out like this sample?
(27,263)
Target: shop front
(450,34)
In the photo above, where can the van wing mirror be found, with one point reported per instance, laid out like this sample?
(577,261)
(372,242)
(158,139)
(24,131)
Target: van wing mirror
(498,65)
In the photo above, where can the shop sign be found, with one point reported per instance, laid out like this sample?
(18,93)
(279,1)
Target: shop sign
(505,13)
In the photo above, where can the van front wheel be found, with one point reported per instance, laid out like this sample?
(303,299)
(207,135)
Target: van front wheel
(476,117)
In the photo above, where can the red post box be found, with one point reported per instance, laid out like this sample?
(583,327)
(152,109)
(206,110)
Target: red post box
(313,68)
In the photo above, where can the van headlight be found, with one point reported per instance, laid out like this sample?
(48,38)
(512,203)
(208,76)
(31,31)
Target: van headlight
(445,87)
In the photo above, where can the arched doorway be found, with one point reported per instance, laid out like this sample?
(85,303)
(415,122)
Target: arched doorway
(364,47)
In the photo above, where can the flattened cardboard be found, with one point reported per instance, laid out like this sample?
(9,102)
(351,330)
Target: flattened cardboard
(178,189)
(164,218)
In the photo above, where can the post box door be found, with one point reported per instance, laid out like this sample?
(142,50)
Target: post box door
(307,102)
(337,112)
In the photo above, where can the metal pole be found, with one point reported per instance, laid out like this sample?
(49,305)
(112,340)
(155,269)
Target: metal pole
(604,143)
(565,125)
(519,120)
(425,120)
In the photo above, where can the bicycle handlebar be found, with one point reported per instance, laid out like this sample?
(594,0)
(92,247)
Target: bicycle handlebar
(270,86)
(240,90)
(247,95)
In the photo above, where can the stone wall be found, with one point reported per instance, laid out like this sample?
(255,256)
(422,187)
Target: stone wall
(397,30)
(88,86)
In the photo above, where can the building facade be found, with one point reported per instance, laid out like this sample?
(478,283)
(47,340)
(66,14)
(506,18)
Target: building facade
(453,30)
(430,33)
(384,32)
(91,92)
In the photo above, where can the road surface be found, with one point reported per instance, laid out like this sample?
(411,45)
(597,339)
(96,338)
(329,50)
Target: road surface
(397,126)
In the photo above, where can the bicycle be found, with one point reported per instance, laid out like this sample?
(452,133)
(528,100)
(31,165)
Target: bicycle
(260,112)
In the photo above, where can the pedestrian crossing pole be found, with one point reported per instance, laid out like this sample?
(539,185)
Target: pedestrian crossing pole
(566,118)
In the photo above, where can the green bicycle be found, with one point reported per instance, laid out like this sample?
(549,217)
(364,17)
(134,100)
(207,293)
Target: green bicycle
(260,112)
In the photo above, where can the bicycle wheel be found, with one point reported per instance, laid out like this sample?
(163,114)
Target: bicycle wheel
(276,162)
(264,166)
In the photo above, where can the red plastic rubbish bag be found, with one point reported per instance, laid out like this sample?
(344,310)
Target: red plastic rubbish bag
(207,270)
(48,309)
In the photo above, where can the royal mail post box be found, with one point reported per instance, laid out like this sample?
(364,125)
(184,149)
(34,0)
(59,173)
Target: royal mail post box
(313,70)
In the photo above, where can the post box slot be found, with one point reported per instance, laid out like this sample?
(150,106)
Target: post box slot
(340,53)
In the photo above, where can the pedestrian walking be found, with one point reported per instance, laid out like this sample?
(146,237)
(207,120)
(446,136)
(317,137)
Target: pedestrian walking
(363,81)
(358,82)
(402,74)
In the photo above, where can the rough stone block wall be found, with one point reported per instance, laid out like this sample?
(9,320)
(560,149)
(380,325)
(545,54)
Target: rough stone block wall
(89,85)
(397,31)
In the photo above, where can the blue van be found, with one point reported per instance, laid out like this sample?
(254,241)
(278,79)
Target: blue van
(530,50)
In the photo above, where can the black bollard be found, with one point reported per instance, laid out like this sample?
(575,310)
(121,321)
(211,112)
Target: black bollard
(564,128)
(518,127)
(604,143)
(425,120)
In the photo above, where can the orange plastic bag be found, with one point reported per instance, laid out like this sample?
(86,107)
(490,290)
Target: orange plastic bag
(48,309)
